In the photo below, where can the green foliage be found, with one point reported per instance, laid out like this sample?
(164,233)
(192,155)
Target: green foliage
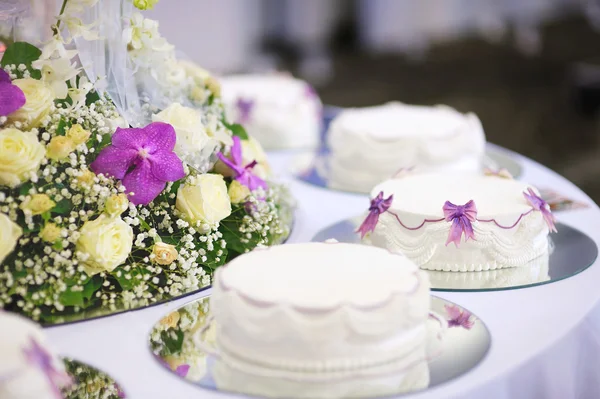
(172,340)
(236,129)
(22,53)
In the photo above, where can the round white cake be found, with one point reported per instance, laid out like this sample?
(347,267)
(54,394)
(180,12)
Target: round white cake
(324,311)
(28,369)
(372,144)
(281,112)
(460,222)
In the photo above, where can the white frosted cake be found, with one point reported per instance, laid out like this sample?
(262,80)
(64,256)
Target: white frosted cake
(281,112)
(372,144)
(459,222)
(28,369)
(312,316)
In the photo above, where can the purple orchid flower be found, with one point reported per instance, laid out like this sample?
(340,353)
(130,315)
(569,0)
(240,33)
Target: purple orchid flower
(143,159)
(540,205)
(11,97)
(378,206)
(244,108)
(39,357)
(182,370)
(459,317)
(461,217)
(243,174)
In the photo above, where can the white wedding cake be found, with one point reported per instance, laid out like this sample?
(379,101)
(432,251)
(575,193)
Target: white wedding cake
(28,369)
(307,320)
(459,222)
(372,144)
(281,112)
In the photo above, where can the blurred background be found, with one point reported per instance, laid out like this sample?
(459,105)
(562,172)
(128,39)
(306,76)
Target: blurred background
(530,69)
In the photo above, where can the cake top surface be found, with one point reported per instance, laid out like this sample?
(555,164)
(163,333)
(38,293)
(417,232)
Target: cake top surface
(273,89)
(321,275)
(396,120)
(425,194)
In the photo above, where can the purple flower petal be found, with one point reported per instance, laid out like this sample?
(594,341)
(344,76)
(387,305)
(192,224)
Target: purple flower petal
(143,184)
(130,138)
(161,136)
(11,98)
(230,164)
(236,151)
(4,77)
(166,166)
(115,162)
(182,370)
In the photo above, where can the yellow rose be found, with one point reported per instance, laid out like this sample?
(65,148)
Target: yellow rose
(9,234)
(37,204)
(39,97)
(86,179)
(204,199)
(106,242)
(50,233)
(20,154)
(213,85)
(171,320)
(253,151)
(59,148)
(78,134)
(238,192)
(164,254)
(116,204)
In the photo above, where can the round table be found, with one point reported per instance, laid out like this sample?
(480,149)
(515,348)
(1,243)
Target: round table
(545,339)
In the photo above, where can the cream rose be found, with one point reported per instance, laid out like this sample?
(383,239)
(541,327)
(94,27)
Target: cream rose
(37,204)
(204,199)
(39,97)
(253,151)
(9,234)
(238,192)
(171,320)
(20,154)
(105,242)
(192,138)
(50,233)
(116,204)
(59,148)
(78,134)
(164,254)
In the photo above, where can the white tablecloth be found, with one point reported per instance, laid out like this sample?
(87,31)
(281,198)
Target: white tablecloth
(545,340)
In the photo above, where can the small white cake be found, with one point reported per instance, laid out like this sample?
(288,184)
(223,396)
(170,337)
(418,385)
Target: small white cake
(320,312)
(28,369)
(372,144)
(459,222)
(281,112)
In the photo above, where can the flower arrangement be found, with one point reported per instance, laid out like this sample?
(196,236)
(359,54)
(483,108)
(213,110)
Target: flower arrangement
(101,209)
(90,383)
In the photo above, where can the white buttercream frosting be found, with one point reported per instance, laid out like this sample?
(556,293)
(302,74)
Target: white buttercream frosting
(315,308)
(285,114)
(19,379)
(369,145)
(508,232)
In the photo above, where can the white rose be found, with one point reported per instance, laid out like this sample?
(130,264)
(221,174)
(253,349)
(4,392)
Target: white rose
(20,154)
(9,234)
(192,138)
(253,151)
(204,199)
(106,242)
(39,97)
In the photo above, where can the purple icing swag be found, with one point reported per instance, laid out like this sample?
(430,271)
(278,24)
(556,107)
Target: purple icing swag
(462,217)
(378,206)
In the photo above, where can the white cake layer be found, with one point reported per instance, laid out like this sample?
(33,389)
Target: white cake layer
(19,379)
(320,306)
(285,114)
(419,200)
(369,145)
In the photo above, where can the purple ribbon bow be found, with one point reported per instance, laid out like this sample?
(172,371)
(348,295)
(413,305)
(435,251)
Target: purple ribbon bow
(540,205)
(378,206)
(461,217)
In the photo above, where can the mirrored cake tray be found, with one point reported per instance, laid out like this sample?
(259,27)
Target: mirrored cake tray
(179,342)
(312,167)
(89,382)
(571,252)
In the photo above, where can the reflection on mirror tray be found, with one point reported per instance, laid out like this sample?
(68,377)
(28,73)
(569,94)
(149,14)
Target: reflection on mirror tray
(571,252)
(90,383)
(186,343)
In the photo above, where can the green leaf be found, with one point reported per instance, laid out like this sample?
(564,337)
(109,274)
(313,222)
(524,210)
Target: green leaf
(92,97)
(172,340)
(46,216)
(71,298)
(63,207)
(24,189)
(236,129)
(61,129)
(145,226)
(22,53)
(90,288)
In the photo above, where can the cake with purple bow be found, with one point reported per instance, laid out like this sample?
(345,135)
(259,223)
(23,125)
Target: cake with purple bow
(459,222)
(281,112)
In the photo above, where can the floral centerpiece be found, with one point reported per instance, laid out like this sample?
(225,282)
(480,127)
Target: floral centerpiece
(112,198)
